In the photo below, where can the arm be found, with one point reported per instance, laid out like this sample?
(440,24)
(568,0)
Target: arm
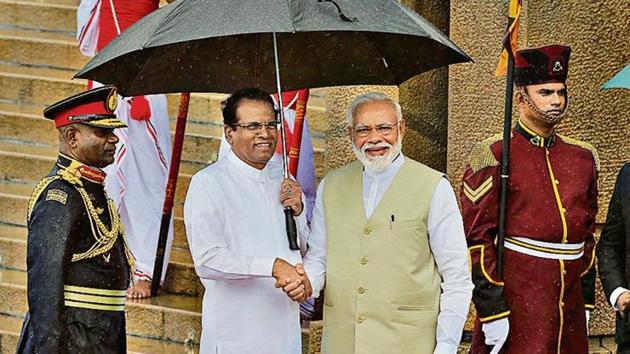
(589,274)
(448,245)
(480,199)
(315,258)
(611,250)
(203,217)
(50,227)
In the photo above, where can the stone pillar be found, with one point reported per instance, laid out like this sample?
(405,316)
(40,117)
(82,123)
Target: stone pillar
(424,98)
(596,32)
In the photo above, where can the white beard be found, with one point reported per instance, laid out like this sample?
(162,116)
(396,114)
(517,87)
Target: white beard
(378,163)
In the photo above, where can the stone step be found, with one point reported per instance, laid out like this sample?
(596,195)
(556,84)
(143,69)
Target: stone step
(34,88)
(180,276)
(170,317)
(38,16)
(28,163)
(18,126)
(74,3)
(38,87)
(44,49)
(10,327)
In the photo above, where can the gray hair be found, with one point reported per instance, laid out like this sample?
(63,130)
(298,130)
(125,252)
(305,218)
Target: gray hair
(372,97)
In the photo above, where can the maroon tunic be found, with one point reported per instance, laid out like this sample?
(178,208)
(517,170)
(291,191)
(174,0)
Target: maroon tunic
(543,298)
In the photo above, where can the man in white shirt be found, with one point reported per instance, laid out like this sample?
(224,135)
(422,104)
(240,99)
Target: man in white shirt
(235,224)
(397,278)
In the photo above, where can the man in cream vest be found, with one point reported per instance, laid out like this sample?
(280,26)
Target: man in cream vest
(397,275)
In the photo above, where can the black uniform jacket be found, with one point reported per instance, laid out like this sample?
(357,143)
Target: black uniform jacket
(59,227)
(613,251)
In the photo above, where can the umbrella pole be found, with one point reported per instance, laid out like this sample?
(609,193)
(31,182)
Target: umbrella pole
(505,164)
(288,212)
(178,143)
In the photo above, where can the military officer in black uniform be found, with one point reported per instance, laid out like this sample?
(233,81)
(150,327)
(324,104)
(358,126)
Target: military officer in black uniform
(78,263)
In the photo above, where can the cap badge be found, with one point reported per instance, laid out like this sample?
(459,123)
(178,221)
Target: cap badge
(112,101)
(557,66)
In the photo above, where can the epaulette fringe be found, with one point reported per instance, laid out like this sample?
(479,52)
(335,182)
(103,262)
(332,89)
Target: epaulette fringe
(481,155)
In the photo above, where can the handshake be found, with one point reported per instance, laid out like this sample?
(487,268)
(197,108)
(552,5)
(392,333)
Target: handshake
(292,280)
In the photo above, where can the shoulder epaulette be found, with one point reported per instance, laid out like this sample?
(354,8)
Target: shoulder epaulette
(583,145)
(71,175)
(481,155)
(39,189)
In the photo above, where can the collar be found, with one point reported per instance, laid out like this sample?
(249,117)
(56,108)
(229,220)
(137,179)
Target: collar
(534,138)
(244,167)
(89,173)
(392,169)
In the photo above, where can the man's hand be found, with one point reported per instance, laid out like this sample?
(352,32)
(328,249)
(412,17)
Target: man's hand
(292,280)
(284,273)
(300,290)
(291,196)
(622,302)
(496,333)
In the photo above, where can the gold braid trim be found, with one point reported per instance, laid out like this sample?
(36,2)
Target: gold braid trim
(39,189)
(481,155)
(104,238)
(583,145)
(71,175)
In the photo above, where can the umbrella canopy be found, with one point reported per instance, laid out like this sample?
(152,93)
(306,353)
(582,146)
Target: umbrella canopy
(224,45)
(621,80)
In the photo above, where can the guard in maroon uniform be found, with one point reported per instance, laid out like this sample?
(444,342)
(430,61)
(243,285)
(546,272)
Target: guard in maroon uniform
(542,303)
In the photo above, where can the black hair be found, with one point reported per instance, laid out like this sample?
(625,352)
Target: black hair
(251,93)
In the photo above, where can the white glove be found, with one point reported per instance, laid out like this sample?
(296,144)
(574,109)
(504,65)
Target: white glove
(496,333)
(588,317)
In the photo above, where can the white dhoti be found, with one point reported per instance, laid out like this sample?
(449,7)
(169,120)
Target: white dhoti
(136,181)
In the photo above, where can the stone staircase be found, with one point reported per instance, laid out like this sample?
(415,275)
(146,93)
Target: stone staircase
(38,57)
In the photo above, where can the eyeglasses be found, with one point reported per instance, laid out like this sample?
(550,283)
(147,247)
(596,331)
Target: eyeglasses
(256,126)
(384,129)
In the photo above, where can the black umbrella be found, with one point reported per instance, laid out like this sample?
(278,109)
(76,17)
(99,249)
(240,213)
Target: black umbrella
(224,45)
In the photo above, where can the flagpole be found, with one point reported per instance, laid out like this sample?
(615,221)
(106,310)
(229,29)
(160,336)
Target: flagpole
(167,210)
(288,212)
(505,157)
(298,127)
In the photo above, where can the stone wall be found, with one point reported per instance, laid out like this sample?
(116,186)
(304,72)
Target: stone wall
(424,98)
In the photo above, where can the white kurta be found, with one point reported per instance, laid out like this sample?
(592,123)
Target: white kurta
(236,229)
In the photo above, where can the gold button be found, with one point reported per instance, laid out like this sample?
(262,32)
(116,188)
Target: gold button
(360,319)
(562,304)
(556,182)
(361,290)
(364,260)
(564,211)
(367,231)
(564,272)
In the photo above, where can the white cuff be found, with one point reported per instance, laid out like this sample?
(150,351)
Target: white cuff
(262,267)
(445,348)
(614,296)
